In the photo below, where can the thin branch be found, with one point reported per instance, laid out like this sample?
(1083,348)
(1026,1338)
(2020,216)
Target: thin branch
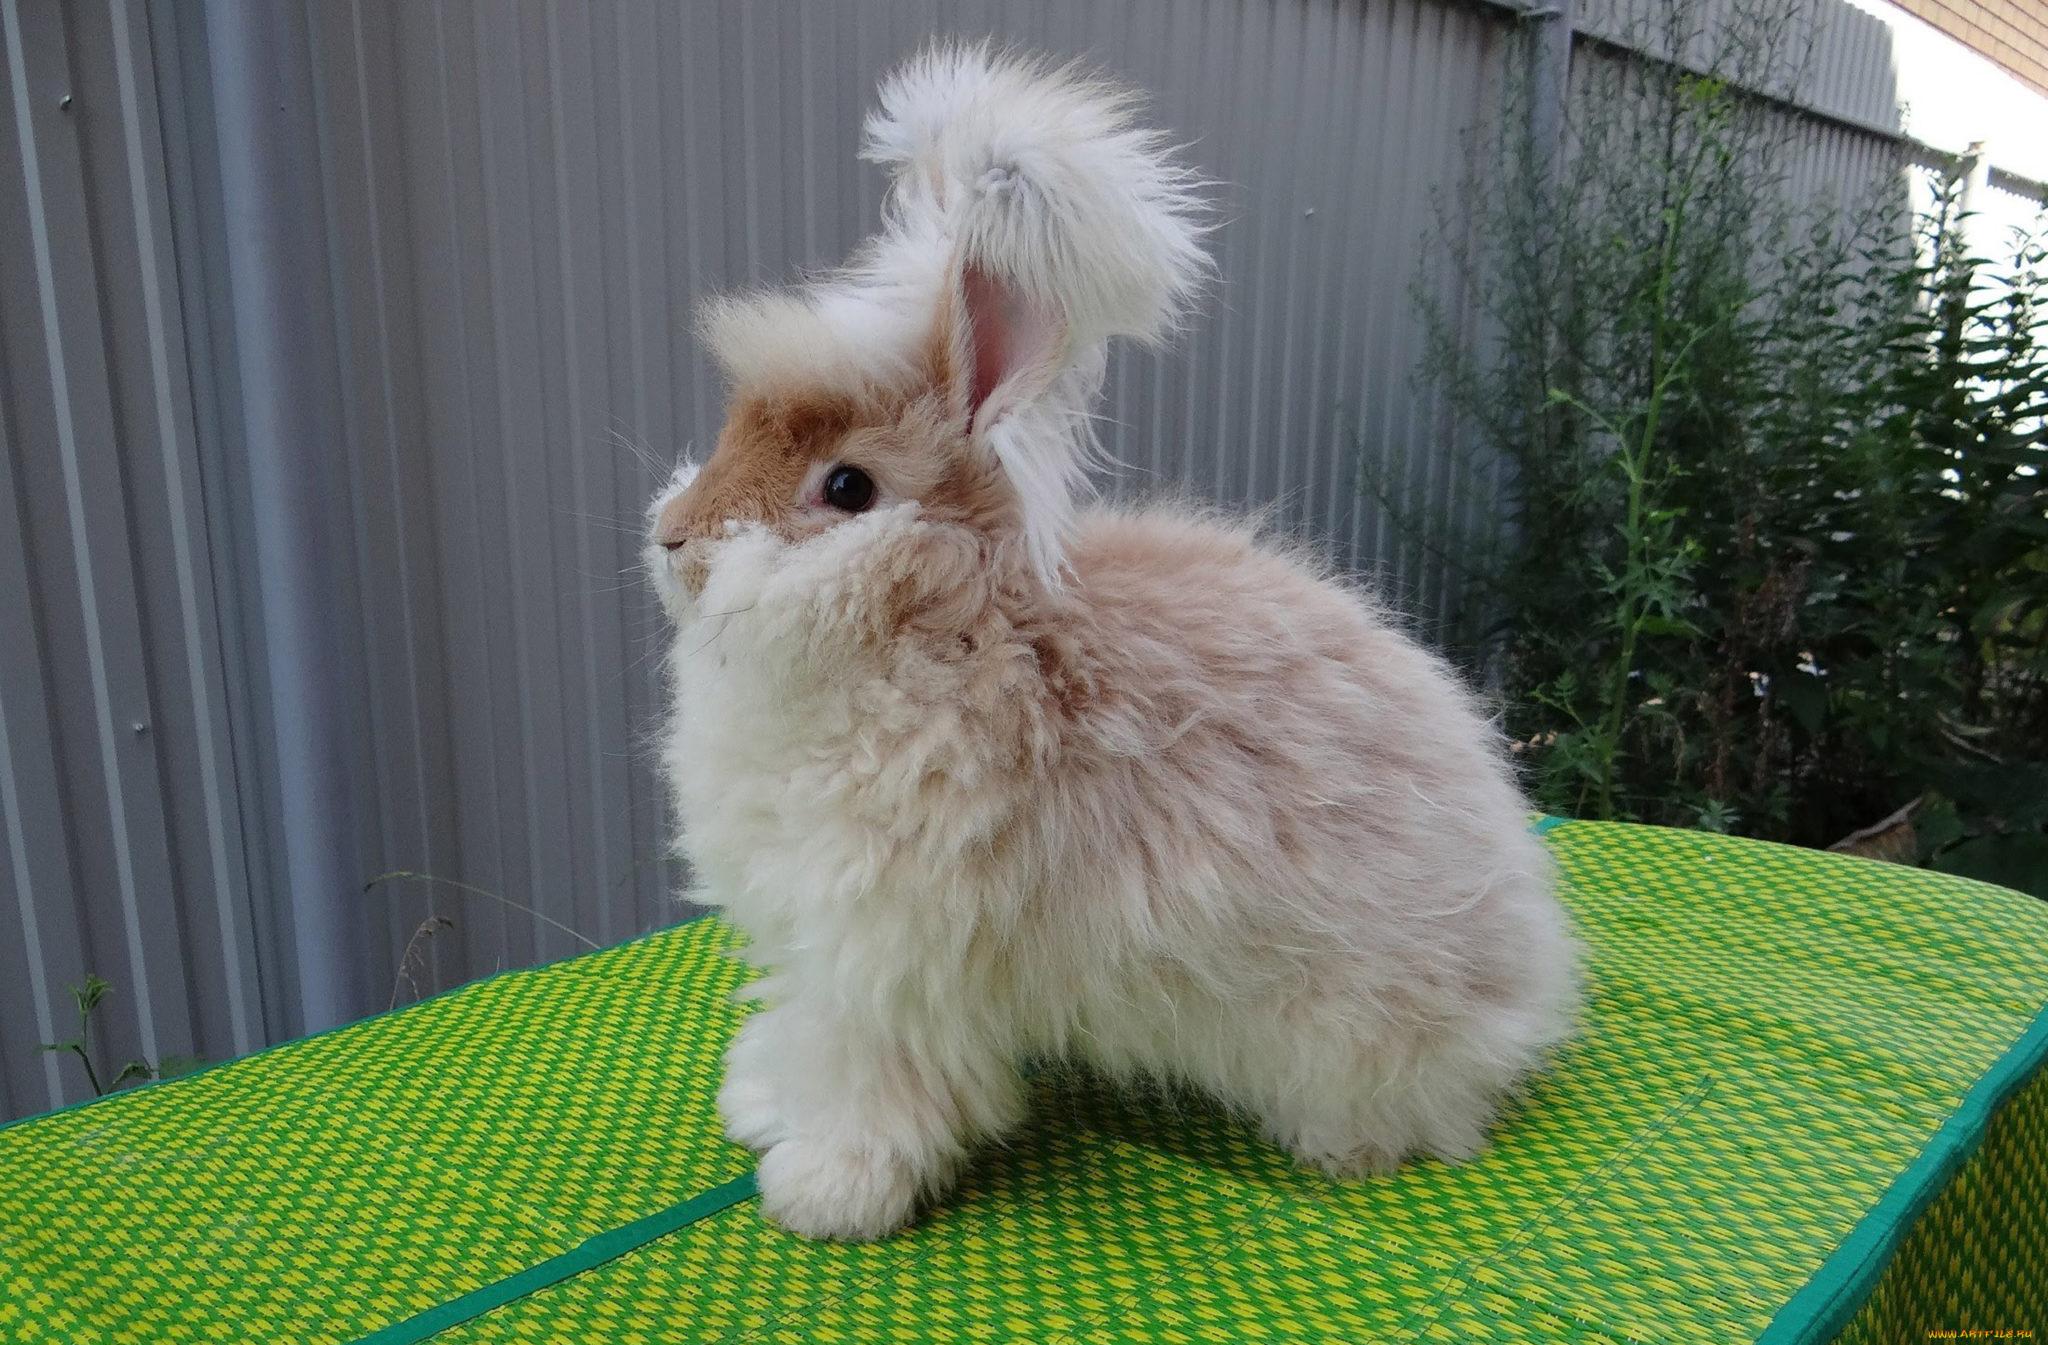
(414,876)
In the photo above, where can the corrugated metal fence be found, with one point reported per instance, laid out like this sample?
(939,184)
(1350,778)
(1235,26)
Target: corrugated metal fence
(343,341)
(128,813)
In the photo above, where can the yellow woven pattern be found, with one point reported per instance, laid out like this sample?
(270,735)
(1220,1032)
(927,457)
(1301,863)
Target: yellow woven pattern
(318,1191)
(1977,1260)
(1773,1037)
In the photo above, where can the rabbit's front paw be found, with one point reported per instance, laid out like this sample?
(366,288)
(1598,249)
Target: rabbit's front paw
(752,1114)
(851,1193)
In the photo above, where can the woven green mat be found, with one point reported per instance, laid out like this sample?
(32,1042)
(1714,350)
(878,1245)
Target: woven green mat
(1807,1103)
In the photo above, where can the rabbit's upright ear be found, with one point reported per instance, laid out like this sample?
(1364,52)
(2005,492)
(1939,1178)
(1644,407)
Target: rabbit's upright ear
(1040,176)
(1064,225)
(1004,349)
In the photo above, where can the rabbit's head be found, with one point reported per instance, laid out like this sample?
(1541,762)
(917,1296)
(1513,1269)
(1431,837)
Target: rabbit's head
(946,374)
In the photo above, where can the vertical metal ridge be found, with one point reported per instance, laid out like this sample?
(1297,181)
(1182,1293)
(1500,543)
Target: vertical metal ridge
(18,840)
(185,561)
(358,106)
(574,410)
(1201,340)
(1269,225)
(1455,96)
(808,82)
(1231,247)
(287,384)
(207,374)
(1328,220)
(1376,379)
(1346,420)
(54,321)
(690,149)
(409,582)
(493,206)
(629,222)
(351,570)
(750,158)
(486,781)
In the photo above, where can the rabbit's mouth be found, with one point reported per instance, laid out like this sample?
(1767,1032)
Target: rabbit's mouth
(680,574)
(685,572)
(690,567)
(676,581)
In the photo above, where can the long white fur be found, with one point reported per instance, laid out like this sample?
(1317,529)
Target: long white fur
(1039,175)
(1262,844)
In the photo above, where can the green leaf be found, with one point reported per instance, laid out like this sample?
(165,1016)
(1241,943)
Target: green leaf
(1666,625)
(77,1046)
(2018,860)
(89,995)
(177,1066)
(2014,793)
(1805,698)
(1937,827)
(134,1069)
(1714,815)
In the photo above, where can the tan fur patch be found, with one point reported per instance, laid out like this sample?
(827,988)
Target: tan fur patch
(767,446)
(915,446)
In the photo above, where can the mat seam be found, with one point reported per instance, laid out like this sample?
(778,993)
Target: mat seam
(586,1256)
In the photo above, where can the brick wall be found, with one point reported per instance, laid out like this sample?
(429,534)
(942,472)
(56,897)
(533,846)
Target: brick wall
(2014,33)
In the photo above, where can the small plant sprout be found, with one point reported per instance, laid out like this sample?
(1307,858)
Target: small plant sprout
(87,996)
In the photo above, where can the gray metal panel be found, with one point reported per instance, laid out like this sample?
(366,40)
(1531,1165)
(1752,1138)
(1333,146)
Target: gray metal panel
(523,206)
(528,202)
(500,217)
(120,836)
(296,457)
(1828,57)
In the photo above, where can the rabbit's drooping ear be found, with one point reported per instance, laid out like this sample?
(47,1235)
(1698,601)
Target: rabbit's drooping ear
(1066,226)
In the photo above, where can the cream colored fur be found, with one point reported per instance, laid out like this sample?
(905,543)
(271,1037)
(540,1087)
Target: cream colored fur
(1134,787)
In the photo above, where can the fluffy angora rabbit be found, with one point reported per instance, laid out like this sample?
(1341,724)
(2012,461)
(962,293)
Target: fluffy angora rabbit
(987,775)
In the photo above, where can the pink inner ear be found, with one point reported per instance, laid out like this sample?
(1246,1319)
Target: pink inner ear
(986,300)
(1010,336)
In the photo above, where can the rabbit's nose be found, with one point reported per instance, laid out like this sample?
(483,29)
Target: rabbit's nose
(671,530)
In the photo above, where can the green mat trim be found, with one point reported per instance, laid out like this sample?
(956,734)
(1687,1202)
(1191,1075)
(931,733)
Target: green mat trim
(607,1246)
(1831,1299)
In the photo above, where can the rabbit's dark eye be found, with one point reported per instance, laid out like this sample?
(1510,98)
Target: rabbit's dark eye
(849,488)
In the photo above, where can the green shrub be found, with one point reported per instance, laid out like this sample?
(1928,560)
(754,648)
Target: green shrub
(1774,556)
